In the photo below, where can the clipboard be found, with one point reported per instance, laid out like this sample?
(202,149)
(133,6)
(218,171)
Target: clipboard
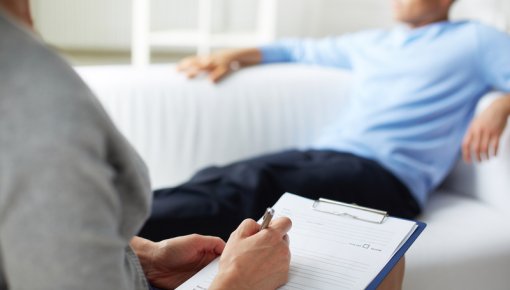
(350,210)
(397,256)
(319,238)
(372,216)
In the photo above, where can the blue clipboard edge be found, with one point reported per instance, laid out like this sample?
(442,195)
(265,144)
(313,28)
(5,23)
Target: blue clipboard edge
(398,255)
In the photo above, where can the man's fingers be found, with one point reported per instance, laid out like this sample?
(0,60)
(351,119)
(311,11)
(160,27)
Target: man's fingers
(466,147)
(186,64)
(495,145)
(218,73)
(193,72)
(194,66)
(475,147)
(484,146)
(282,225)
(182,66)
(480,144)
(207,64)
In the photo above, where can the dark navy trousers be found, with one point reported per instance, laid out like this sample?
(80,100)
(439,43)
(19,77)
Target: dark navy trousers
(217,199)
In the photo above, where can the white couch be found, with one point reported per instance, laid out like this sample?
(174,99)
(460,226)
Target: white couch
(179,126)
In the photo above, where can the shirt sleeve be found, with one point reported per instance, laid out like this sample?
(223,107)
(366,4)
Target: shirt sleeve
(494,46)
(60,223)
(332,51)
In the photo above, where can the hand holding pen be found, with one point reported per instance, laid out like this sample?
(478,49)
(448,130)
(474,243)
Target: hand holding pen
(266,219)
(256,256)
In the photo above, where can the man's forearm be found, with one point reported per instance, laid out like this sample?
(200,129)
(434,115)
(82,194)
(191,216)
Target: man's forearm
(501,108)
(483,135)
(504,102)
(246,56)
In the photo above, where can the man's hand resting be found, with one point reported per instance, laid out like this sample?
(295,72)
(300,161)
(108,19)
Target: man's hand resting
(484,133)
(219,64)
(169,263)
(255,260)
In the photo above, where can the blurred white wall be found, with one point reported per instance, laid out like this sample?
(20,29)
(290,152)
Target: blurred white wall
(100,24)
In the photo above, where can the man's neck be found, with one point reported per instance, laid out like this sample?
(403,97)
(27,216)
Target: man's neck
(415,25)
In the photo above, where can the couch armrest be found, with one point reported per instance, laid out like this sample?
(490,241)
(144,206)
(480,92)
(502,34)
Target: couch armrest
(179,126)
(489,181)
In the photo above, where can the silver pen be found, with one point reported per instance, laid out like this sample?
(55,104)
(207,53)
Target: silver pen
(266,219)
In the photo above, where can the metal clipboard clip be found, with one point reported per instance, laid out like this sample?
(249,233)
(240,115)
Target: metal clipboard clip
(350,210)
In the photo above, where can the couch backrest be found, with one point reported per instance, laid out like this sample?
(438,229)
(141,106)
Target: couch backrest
(180,126)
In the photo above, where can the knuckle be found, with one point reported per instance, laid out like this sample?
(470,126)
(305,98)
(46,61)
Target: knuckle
(267,235)
(248,222)
(284,220)
(246,227)
(194,237)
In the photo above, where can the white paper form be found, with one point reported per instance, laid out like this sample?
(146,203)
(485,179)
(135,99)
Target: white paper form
(328,251)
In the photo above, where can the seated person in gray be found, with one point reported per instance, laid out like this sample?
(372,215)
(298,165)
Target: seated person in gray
(73,193)
(415,90)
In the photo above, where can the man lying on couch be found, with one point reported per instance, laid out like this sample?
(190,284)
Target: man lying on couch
(415,91)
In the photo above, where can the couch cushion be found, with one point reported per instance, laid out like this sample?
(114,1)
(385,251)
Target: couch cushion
(465,246)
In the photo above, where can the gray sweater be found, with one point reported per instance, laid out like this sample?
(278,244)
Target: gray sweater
(72,190)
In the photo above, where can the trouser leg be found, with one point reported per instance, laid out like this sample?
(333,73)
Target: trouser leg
(214,201)
(217,199)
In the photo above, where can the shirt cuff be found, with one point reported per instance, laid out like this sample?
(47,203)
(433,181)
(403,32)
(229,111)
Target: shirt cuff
(273,53)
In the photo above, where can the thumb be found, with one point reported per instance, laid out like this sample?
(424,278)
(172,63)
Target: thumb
(282,225)
(213,244)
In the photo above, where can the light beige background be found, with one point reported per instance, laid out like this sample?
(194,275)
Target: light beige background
(105,25)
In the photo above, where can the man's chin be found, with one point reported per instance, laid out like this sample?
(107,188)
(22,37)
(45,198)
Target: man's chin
(399,19)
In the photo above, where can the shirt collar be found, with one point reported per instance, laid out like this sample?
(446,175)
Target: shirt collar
(404,35)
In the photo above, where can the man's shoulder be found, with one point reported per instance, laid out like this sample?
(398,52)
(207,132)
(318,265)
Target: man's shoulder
(478,27)
(486,35)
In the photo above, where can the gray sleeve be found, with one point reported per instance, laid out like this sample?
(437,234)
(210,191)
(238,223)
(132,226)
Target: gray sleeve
(60,213)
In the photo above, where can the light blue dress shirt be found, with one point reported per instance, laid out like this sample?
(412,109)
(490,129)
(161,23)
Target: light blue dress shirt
(414,93)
